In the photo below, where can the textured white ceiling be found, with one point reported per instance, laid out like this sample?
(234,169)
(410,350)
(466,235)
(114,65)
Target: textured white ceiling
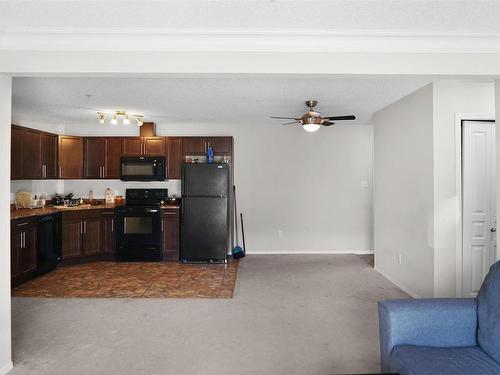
(418,15)
(65,101)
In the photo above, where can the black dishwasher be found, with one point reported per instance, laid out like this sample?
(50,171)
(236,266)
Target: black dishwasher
(48,242)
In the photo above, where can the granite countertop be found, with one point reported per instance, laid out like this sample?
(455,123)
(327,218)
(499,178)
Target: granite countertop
(26,212)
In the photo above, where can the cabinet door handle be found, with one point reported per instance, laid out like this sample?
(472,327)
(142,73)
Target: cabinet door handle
(21,240)
(81,227)
(23,236)
(112,225)
(60,171)
(162,226)
(85,227)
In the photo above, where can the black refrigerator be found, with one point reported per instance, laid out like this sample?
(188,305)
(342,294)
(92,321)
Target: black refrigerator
(205,212)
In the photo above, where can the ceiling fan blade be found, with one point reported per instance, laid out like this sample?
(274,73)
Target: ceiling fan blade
(350,117)
(327,123)
(285,118)
(290,123)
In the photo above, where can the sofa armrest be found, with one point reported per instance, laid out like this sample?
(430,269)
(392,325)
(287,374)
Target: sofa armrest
(426,322)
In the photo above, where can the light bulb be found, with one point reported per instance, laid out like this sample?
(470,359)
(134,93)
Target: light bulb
(114,121)
(126,121)
(311,127)
(102,117)
(139,121)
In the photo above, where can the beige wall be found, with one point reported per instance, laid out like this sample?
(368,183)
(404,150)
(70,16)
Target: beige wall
(5,319)
(307,185)
(403,183)
(451,99)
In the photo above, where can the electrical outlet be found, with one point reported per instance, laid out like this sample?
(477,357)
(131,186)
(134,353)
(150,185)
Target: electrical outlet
(281,234)
(400,258)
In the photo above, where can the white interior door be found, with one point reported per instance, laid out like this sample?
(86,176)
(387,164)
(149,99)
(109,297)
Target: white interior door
(478,203)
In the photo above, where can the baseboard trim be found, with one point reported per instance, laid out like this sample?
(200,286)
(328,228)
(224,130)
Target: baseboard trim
(403,287)
(6,368)
(313,252)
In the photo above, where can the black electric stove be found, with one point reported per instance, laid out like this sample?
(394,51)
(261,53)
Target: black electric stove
(138,225)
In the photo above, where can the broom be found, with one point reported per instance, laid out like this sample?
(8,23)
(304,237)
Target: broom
(238,252)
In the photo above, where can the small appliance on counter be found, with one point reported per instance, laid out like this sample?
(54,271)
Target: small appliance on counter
(138,225)
(24,199)
(109,196)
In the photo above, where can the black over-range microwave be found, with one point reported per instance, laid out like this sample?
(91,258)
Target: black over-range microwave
(143,168)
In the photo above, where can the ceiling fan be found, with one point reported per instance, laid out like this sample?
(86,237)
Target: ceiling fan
(312,120)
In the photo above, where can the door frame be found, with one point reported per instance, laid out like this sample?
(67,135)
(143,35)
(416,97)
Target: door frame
(460,118)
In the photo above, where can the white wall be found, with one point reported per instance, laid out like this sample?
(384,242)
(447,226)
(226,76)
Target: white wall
(497,111)
(5,328)
(403,204)
(436,221)
(307,185)
(451,98)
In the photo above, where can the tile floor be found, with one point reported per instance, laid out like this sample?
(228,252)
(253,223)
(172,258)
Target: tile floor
(134,280)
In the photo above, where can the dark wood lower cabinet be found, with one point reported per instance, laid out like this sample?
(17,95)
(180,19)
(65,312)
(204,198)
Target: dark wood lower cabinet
(81,234)
(92,236)
(170,226)
(71,238)
(23,250)
(108,232)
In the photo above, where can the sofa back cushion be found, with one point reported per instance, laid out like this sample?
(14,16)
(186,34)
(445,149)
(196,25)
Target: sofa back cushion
(488,313)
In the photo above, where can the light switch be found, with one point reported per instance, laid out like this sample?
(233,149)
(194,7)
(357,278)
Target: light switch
(364,183)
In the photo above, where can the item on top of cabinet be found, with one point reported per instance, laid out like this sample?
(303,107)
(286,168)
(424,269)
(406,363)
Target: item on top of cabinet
(210,155)
(110,196)
(23,199)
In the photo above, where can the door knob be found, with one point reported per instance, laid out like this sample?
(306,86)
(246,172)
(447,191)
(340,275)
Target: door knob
(493,230)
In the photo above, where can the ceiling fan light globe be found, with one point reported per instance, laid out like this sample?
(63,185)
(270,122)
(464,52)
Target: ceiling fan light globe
(311,128)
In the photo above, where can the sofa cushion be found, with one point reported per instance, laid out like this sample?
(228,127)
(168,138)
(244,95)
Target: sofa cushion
(425,360)
(488,313)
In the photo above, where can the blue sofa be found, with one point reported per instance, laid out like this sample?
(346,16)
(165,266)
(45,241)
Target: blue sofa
(443,336)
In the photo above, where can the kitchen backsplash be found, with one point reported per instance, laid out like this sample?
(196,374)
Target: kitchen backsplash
(81,188)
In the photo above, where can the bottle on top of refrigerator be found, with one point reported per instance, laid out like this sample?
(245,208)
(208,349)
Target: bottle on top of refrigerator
(210,155)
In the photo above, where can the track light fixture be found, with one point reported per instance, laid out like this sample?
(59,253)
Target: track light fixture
(120,115)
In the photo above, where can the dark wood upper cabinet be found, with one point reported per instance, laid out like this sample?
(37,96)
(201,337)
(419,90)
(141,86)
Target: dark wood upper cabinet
(49,156)
(149,146)
(40,155)
(154,146)
(221,145)
(32,154)
(174,157)
(16,153)
(132,146)
(112,157)
(95,156)
(70,157)
(194,146)
(199,145)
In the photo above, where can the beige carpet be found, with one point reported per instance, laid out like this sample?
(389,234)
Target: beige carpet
(293,315)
